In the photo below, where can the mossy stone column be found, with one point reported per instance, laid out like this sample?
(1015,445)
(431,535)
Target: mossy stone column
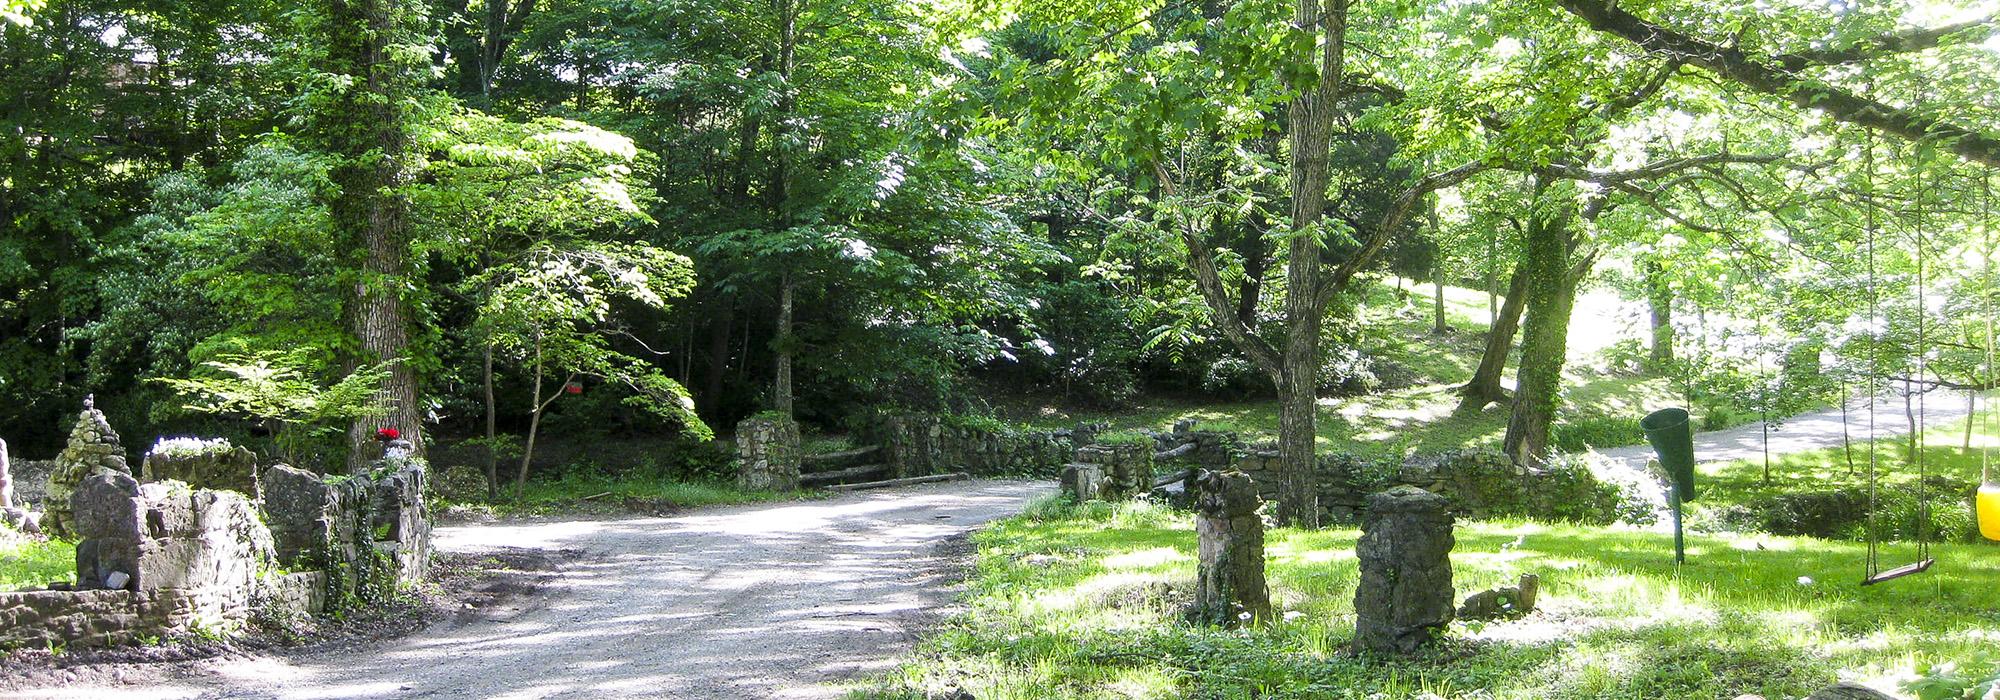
(1229,572)
(1404,598)
(767,448)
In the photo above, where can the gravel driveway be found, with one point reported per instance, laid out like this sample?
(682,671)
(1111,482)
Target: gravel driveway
(771,601)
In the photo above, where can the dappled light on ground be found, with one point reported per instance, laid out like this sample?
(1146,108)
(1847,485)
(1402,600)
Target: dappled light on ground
(1070,602)
(782,601)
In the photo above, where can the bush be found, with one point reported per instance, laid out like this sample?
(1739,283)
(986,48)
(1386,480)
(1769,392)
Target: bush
(1945,515)
(1232,377)
(1578,434)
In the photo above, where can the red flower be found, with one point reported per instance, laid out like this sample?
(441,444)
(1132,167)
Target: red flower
(387,434)
(573,388)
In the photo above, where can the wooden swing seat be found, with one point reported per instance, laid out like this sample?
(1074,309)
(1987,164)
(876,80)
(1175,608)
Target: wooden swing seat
(1899,572)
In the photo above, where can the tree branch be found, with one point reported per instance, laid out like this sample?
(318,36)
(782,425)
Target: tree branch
(1391,220)
(1905,41)
(1731,62)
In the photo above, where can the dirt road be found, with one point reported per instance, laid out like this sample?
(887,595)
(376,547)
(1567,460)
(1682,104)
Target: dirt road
(770,601)
(1812,431)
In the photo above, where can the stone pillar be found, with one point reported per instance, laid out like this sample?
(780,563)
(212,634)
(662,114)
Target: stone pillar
(1404,599)
(1128,468)
(768,453)
(93,449)
(1229,573)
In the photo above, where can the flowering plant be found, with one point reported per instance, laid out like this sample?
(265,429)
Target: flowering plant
(387,434)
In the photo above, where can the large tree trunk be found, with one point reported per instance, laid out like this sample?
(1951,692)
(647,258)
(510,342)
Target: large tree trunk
(1660,297)
(366,130)
(1552,283)
(1484,388)
(1311,114)
(781,390)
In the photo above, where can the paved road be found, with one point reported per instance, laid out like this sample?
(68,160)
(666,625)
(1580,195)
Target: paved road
(771,601)
(1812,431)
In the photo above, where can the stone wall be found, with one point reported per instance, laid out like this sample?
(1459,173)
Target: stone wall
(768,454)
(922,445)
(203,464)
(370,534)
(1479,484)
(31,482)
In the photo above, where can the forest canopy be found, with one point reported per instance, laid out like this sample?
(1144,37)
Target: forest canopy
(836,208)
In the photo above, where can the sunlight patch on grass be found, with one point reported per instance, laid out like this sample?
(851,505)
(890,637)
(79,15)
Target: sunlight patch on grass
(1618,618)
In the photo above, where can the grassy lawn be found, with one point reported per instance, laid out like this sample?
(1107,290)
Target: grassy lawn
(1080,603)
(610,495)
(1603,406)
(31,562)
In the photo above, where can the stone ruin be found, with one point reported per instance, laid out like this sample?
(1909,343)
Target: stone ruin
(1229,571)
(170,557)
(209,464)
(93,450)
(768,453)
(1502,601)
(1404,599)
(1110,472)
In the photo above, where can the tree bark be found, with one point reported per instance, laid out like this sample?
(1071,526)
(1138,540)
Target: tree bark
(1312,114)
(781,390)
(492,428)
(1660,299)
(1552,282)
(366,130)
(1484,388)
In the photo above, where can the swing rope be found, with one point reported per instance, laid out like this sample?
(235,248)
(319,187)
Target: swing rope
(1875,574)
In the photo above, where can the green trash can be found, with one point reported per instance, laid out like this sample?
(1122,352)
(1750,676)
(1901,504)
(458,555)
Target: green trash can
(1668,431)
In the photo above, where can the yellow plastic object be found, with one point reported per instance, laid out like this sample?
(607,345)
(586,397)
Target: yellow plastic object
(1989,511)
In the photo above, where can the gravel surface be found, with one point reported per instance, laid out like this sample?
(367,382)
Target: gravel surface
(782,600)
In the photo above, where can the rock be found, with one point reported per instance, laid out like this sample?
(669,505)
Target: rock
(1229,570)
(1505,601)
(21,520)
(117,580)
(1083,482)
(1850,691)
(1403,600)
(93,449)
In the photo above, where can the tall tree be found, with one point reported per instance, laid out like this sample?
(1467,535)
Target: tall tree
(369,94)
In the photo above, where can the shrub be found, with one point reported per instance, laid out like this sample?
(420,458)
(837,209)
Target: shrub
(1578,434)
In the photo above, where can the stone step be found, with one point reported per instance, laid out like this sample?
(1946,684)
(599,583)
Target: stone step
(836,461)
(866,472)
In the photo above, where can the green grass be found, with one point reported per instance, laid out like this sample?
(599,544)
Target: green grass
(1081,603)
(620,494)
(1604,406)
(1944,454)
(30,562)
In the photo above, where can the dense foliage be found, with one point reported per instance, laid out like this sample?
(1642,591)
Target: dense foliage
(699,210)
